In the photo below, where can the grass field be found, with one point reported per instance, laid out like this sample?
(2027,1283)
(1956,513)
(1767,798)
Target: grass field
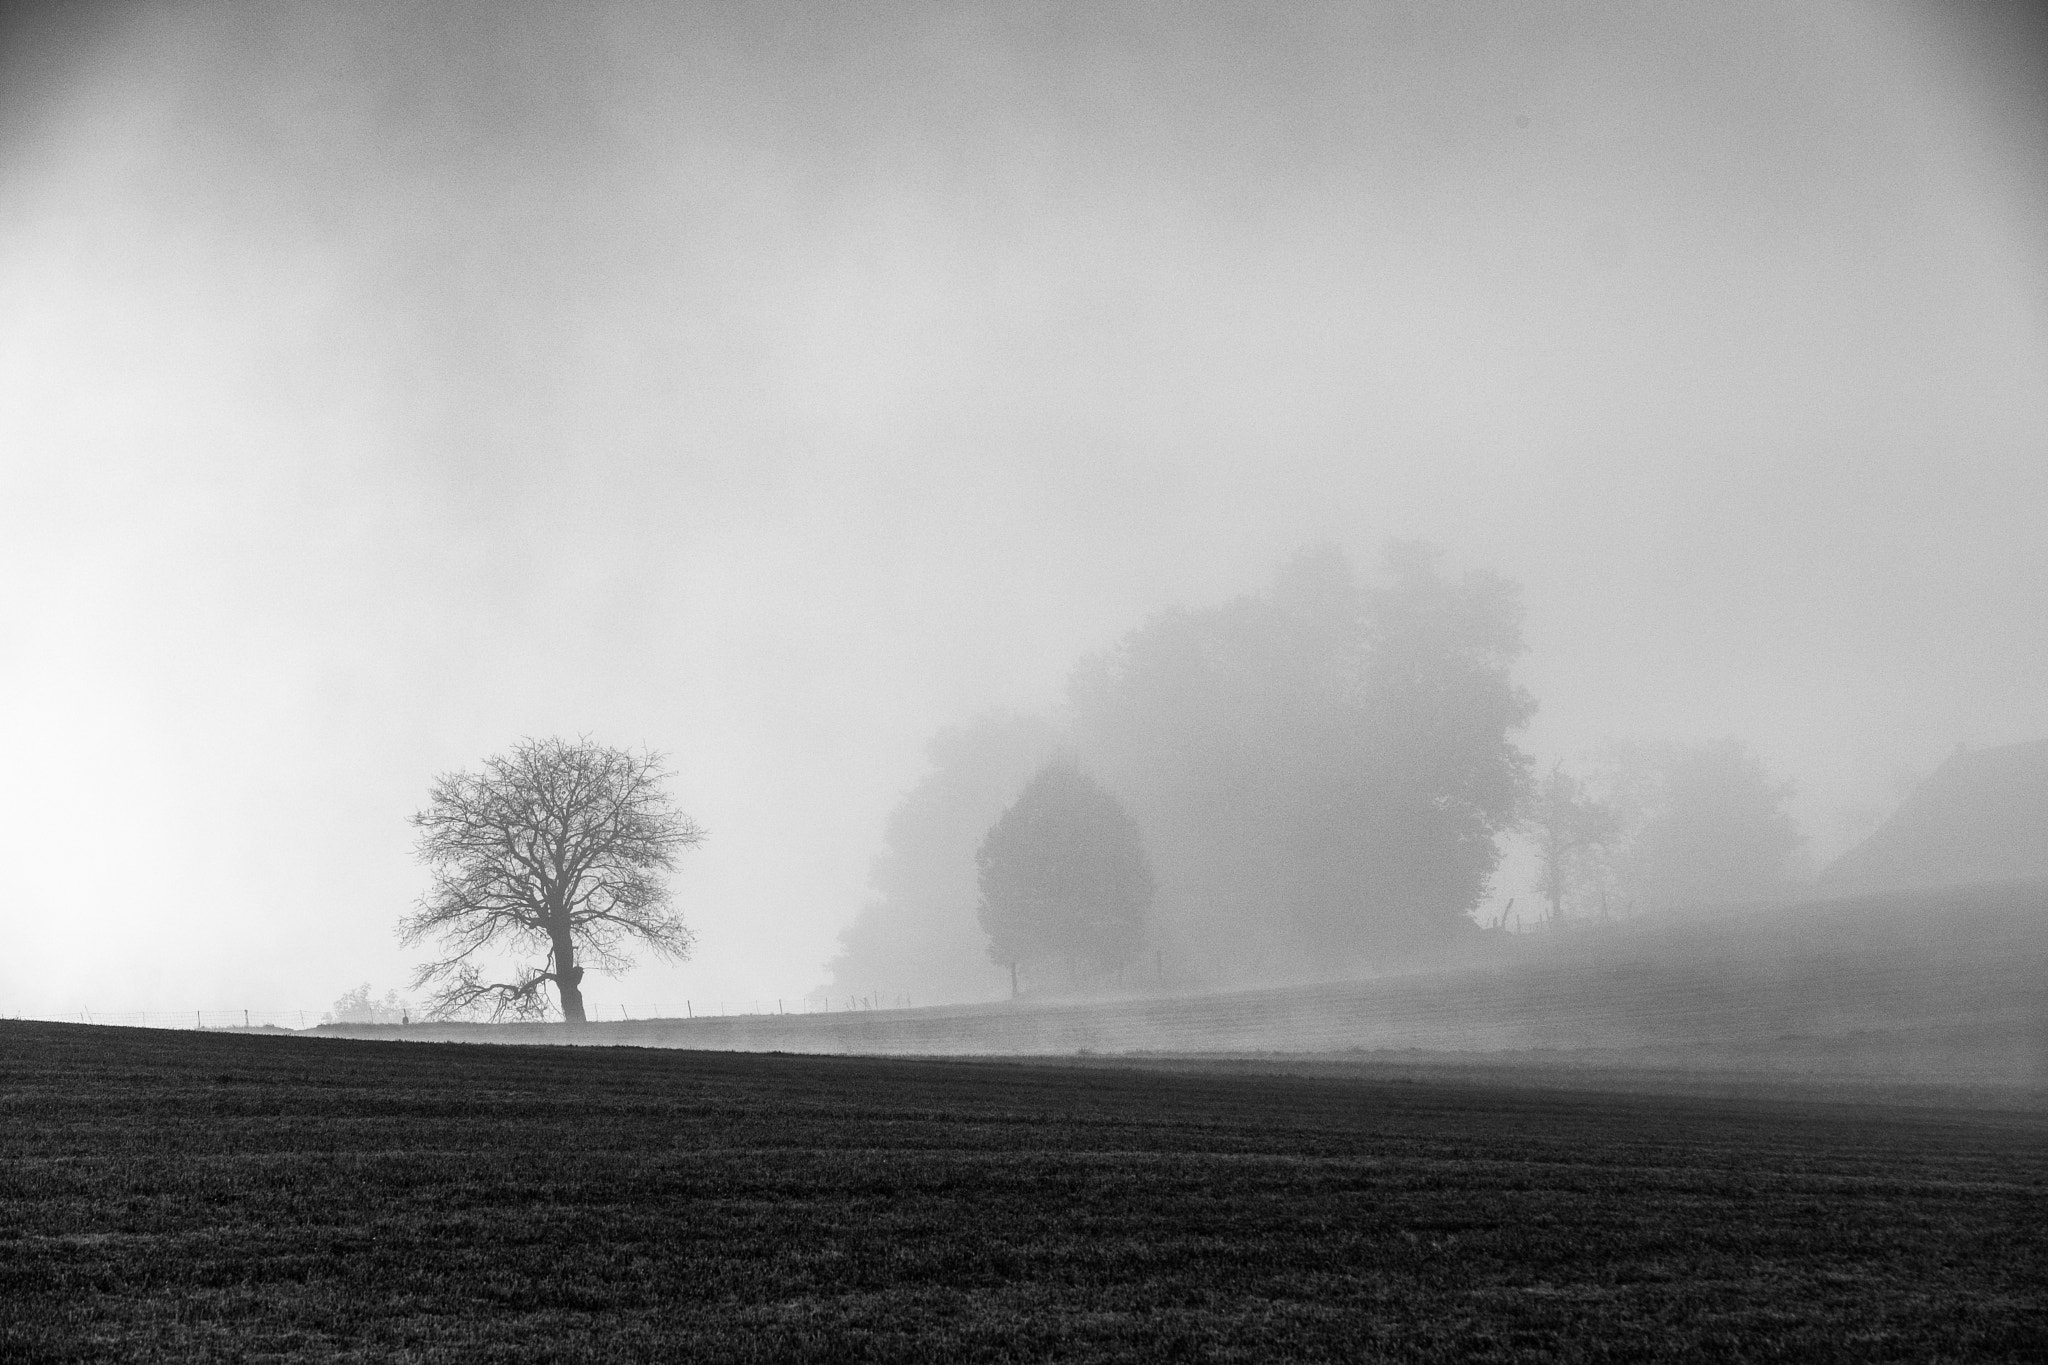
(184,1196)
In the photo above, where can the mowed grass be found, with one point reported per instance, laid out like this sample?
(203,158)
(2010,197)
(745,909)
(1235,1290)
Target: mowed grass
(186,1196)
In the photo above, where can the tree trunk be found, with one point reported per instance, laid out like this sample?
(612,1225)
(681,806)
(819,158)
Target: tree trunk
(1553,871)
(569,981)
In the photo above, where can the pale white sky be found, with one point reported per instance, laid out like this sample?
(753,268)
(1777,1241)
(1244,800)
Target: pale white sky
(772,389)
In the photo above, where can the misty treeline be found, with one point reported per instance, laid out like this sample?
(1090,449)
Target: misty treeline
(1320,777)
(1661,826)
(360,1006)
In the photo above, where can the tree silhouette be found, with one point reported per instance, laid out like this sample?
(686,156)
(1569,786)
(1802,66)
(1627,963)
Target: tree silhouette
(1063,875)
(1571,829)
(556,849)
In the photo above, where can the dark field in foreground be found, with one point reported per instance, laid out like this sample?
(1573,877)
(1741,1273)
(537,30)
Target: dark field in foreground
(189,1196)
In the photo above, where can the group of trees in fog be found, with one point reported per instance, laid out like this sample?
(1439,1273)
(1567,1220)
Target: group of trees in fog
(1322,771)
(1650,827)
(1321,777)
(1311,780)
(359,1006)
(1317,777)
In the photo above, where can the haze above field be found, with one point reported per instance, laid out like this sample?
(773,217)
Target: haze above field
(773,388)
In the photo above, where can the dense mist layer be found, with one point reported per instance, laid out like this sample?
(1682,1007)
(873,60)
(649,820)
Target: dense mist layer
(780,388)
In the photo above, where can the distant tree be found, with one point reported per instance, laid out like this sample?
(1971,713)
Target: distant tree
(360,1007)
(1708,825)
(1572,831)
(1064,876)
(555,849)
(917,936)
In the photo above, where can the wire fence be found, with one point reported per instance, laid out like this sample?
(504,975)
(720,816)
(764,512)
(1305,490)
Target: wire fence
(214,1019)
(621,1010)
(713,1008)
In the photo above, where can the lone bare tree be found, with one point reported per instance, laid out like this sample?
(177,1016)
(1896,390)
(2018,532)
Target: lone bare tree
(555,848)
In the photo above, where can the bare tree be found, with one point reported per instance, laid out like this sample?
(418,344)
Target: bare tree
(556,848)
(1572,830)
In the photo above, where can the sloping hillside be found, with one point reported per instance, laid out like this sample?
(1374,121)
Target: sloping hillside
(1950,985)
(1981,817)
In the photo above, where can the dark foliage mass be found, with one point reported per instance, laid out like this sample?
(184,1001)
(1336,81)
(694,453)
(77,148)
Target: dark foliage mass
(1063,877)
(1320,771)
(192,1197)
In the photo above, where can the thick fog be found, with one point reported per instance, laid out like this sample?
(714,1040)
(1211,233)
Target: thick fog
(778,386)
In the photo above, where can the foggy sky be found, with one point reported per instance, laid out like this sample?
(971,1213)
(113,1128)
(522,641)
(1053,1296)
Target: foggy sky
(772,386)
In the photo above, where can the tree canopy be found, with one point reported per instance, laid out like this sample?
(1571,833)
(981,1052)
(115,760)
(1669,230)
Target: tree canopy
(1320,770)
(1064,878)
(556,850)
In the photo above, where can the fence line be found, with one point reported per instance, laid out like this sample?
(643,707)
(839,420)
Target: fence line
(214,1020)
(615,1010)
